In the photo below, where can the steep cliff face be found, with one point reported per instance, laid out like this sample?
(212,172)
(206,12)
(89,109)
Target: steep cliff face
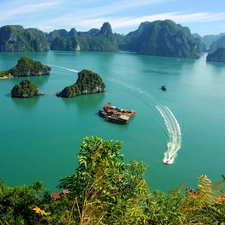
(56,33)
(161,38)
(65,44)
(217,56)
(18,39)
(93,40)
(217,44)
(209,39)
(106,31)
(88,82)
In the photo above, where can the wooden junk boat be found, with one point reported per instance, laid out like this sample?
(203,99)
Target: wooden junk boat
(116,118)
(116,115)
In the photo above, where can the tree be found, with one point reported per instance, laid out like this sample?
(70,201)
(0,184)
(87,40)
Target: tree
(16,203)
(104,188)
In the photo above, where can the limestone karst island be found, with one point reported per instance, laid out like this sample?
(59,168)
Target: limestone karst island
(88,82)
(26,67)
(156,38)
(25,89)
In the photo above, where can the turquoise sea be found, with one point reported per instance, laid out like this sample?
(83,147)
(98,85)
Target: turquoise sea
(40,137)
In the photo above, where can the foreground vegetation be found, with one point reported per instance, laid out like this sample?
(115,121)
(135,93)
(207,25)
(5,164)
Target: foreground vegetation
(106,190)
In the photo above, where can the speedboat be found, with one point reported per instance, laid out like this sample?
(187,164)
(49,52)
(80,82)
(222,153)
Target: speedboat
(167,161)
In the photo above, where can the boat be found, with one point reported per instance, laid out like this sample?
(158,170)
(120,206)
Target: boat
(125,112)
(168,161)
(116,115)
(116,118)
(109,109)
(102,113)
(163,88)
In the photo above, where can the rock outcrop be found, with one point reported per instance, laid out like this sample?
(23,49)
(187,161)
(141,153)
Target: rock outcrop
(217,56)
(25,89)
(17,39)
(161,38)
(209,39)
(157,38)
(27,67)
(88,82)
(217,44)
(93,40)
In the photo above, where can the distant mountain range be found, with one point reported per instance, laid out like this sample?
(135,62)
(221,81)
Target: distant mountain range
(157,38)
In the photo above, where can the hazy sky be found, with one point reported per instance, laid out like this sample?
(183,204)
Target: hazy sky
(201,16)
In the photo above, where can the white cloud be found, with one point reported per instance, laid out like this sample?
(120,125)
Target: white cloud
(83,15)
(14,9)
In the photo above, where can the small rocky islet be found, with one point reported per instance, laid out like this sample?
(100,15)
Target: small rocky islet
(88,82)
(25,89)
(26,67)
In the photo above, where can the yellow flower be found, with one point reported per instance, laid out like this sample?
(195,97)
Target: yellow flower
(220,198)
(37,210)
(40,211)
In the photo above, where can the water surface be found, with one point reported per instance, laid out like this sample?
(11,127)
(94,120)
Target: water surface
(40,137)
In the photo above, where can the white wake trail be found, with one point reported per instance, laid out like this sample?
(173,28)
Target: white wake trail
(141,91)
(174,133)
(65,68)
(172,125)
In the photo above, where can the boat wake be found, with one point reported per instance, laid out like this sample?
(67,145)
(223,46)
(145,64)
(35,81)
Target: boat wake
(65,68)
(174,132)
(172,125)
(141,91)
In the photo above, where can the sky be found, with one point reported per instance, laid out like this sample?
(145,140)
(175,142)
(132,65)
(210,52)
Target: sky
(201,16)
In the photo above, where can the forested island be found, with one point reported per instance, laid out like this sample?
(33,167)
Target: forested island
(25,89)
(157,38)
(88,82)
(26,67)
(14,38)
(217,56)
(93,40)
(106,190)
(160,38)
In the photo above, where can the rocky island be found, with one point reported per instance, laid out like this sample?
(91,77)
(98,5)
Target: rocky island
(156,38)
(88,82)
(25,89)
(93,40)
(161,38)
(26,67)
(14,38)
(217,56)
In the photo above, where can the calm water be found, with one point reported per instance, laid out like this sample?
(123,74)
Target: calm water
(40,137)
